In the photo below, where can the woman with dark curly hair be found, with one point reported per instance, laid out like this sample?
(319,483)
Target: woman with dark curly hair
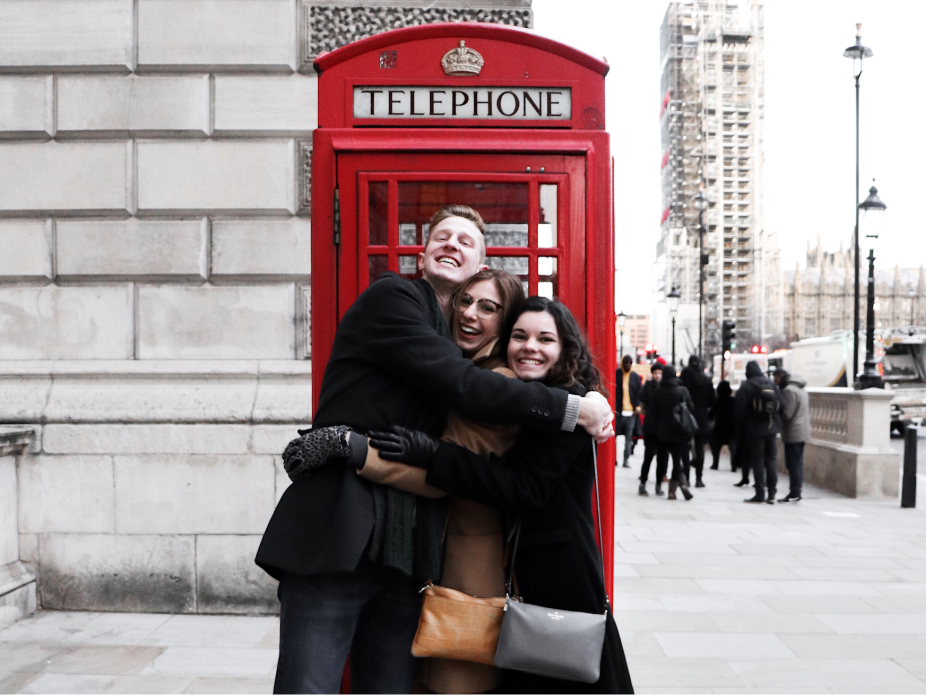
(546,480)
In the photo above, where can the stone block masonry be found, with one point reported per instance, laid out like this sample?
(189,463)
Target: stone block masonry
(155,274)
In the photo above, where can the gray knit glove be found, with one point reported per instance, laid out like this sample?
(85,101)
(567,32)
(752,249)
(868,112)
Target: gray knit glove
(313,449)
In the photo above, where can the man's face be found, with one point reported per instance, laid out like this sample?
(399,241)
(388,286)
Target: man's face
(455,252)
(626,364)
(657,376)
(777,377)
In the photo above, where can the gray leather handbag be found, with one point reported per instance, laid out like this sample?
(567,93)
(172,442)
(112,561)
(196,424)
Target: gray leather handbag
(551,642)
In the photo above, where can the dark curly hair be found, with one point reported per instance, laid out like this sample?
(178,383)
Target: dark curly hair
(575,364)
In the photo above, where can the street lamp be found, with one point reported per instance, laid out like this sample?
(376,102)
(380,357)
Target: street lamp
(873,215)
(672,298)
(701,203)
(621,319)
(857,53)
(912,293)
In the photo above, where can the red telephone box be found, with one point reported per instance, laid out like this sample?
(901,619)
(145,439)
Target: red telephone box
(494,117)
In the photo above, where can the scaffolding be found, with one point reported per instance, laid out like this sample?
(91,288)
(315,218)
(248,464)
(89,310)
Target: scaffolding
(712,118)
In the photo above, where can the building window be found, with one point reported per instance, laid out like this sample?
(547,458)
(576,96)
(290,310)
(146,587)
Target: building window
(810,327)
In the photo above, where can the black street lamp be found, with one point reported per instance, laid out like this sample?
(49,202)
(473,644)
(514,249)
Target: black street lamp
(621,318)
(873,210)
(912,293)
(857,53)
(672,299)
(701,203)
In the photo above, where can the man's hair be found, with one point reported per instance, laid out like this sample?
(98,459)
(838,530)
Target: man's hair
(626,358)
(464,211)
(655,367)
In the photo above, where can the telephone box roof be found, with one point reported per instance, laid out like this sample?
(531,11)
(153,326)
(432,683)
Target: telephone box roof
(482,30)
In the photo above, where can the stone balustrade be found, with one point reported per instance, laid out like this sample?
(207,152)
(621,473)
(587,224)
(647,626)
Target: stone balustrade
(849,451)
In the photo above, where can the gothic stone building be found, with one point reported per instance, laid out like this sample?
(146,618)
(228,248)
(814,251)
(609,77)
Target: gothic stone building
(820,298)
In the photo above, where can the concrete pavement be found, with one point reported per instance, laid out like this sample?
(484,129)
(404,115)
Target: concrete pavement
(711,595)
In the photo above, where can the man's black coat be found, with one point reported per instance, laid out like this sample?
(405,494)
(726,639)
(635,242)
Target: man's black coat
(390,365)
(636,386)
(701,388)
(747,424)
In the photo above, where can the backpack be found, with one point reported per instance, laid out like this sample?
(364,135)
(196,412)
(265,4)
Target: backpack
(683,420)
(765,404)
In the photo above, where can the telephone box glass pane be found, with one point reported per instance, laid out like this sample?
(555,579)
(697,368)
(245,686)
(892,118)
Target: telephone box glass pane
(408,267)
(378,266)
(503,206)
(546,230)
(379,219)
(547,285)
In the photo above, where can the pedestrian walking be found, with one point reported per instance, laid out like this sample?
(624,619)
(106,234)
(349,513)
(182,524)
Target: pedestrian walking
(758,420)
(703,397)
(628,387)
(723,432)
(795,428)
(673,439)
(650,437)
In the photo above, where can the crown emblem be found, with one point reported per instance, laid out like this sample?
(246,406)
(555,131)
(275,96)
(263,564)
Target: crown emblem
(462,61)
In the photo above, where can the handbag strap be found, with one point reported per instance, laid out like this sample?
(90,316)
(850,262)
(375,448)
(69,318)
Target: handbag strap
(515,537)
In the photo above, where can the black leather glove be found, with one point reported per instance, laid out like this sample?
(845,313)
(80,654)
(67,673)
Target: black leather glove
(405,446)
(313,449)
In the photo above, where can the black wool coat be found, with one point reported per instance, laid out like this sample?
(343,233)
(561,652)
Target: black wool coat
(747,425)
(389,365)
(646,400)
(722,412)
(547,480)
(669,394)
(701,389)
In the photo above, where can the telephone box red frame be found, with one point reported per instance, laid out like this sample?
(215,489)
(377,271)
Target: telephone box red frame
(360,150)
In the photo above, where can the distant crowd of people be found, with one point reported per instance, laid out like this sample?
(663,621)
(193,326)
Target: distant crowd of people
(679,414)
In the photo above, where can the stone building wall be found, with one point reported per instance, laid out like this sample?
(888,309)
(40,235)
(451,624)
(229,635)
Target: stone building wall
(155,278)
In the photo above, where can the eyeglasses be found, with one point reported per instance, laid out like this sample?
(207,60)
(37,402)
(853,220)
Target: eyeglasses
(485,308)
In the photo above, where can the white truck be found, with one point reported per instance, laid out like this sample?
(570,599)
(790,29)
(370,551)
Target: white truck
(904,372)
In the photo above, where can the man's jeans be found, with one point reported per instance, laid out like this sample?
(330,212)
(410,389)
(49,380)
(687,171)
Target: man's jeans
(762,454)
(794,460)
(626,428)
(698,442)
(371,614)
(650,451)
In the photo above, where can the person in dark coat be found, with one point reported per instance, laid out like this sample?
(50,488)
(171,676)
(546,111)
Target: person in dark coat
(628,386)
(673,441)
(757,412)
(723,433)
(650,438)
(701,388)
(546,480)
(350,555)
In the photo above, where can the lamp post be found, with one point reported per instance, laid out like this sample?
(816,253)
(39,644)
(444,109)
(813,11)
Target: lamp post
(873,210)
(621,318)
(672,299)
(912,293)
(701,203)
(857,53)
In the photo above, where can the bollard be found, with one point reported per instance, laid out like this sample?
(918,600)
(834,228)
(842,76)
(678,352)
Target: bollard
(908,493)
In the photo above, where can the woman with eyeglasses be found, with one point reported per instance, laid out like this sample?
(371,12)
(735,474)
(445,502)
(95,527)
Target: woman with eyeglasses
(474,537)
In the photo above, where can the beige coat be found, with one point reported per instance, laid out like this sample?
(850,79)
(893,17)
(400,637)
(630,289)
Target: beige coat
(475,543)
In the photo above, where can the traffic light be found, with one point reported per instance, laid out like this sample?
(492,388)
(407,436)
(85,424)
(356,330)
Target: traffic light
(729,335)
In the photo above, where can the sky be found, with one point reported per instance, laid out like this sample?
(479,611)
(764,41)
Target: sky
(809,147)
